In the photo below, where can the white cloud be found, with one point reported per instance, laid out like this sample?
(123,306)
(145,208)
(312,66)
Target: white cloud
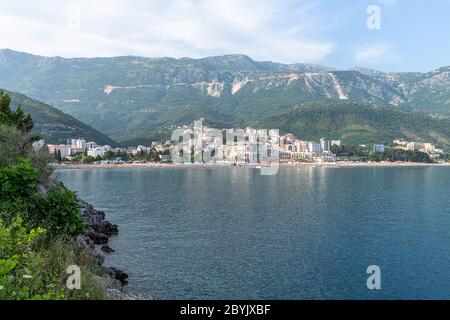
(389,2)
(264,29)
(373,53)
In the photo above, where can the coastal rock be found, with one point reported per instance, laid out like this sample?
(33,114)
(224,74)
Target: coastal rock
(101,214)
(98,258)
(106,248)
(116,291)
(108,283)
(106,227)
(116,273)
(98,238)
(85,242)
(98,231)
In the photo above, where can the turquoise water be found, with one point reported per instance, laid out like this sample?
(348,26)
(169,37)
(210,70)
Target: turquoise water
(305,233)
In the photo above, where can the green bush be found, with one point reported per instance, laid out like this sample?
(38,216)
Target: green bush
(21,275)
(57,210)
(10,145)
(18,181)
(18,194)
(40,161)
(34,269)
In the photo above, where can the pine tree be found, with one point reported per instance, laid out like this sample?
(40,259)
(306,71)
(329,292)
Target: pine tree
(16,118)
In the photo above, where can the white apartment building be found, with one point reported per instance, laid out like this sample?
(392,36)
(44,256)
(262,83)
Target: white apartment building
(77,143)
(98,151)
(314,147)
(413,146)
(325,157)
(301,146)
(95,152)
(64,150)
(91,145)
(325,145)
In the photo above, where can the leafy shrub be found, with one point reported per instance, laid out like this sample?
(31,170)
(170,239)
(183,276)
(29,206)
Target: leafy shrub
(18,181)
(34,269)
(10,145)
(21,275)
(40,161)
(57,210)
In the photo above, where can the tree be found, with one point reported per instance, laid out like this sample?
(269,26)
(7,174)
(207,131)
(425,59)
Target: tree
(16,118)
(59,156)
(153,156)
(109,155)
(89,159)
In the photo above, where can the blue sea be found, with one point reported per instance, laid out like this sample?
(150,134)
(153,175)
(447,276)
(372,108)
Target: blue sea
(305,233)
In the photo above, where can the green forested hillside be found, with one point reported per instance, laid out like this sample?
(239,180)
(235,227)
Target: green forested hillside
(352,123)
(53,125)
(360,124)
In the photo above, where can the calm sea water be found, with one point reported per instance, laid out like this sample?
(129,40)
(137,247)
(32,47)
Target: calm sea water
(305,233)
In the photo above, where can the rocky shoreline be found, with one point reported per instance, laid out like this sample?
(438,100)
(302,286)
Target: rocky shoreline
(95,242)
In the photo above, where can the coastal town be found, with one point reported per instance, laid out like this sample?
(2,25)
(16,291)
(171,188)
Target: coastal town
(240,150)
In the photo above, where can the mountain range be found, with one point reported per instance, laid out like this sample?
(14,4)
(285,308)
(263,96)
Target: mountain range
(136,99)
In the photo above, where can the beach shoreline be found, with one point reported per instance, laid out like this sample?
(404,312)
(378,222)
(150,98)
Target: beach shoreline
(216,166)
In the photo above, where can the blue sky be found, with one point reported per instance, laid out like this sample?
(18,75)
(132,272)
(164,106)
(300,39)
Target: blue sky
(414,35)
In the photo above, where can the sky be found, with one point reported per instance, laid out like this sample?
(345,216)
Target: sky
(388,35)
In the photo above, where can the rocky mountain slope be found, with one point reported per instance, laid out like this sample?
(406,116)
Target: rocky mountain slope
(131,98)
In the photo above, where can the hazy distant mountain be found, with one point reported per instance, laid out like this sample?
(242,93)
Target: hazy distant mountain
(131,98)
(53,125)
